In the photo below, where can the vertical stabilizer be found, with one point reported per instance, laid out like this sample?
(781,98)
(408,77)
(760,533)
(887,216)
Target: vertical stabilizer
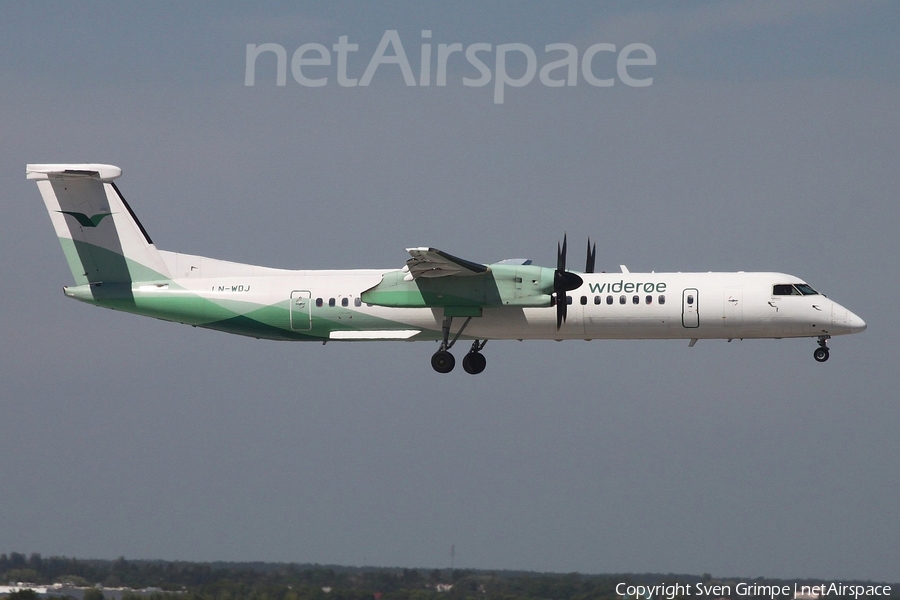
(102,239)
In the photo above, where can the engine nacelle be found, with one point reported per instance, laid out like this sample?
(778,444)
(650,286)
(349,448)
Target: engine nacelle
(500,285)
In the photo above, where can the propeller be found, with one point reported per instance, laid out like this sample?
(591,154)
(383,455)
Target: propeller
(591,257)
(563,281)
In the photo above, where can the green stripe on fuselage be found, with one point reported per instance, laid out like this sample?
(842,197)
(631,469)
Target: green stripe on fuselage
(172,302)
(253,319)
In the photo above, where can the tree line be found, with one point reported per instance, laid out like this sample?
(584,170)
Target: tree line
(291,581)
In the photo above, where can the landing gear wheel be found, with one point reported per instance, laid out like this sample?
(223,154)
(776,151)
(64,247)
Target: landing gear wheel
(443,362)
(821,353)
(474,363)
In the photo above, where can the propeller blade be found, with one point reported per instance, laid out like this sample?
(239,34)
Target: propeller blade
(591,257)
(561,305)
(561,256)
(563,281)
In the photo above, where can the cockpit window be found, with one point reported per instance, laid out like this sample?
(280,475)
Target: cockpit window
(796,289)
(784,289)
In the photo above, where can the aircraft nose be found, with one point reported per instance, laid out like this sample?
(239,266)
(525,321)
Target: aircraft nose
(843,321)
(854,323)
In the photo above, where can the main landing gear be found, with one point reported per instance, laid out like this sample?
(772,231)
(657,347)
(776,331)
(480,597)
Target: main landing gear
(443,362)
(821,353)
(474,362)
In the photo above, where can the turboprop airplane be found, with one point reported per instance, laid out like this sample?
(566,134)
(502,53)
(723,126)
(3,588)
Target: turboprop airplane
(435,296)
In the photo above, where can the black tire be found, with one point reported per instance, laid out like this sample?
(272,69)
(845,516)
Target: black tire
(474,363)
(442,361)
(820,354)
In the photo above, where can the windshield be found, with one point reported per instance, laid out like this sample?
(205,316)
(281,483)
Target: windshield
(793,289)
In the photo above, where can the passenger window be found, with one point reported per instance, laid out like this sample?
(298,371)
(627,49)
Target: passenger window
(597,299)
(583,300)
(690,299)
(622,299)
(609,299)
(568,299)
(357,302)
(649,299)
(345,301)
(635,299)
(319,302)
(662,299)
(331,302)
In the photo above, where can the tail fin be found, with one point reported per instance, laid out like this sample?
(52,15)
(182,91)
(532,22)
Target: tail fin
(102,239)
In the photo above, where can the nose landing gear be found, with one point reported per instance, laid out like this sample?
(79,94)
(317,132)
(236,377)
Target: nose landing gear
(821,353)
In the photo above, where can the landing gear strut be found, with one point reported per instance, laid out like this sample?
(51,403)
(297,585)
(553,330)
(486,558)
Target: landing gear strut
(821,353)
(443,362)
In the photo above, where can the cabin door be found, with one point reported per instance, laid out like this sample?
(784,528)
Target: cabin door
(690,311)
(301,315)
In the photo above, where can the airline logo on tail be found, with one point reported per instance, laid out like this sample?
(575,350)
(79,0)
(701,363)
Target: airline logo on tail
(84,220)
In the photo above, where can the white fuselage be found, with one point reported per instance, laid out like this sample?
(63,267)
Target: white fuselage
(606,306)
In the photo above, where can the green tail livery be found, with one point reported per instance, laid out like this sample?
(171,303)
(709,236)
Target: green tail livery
(435,296)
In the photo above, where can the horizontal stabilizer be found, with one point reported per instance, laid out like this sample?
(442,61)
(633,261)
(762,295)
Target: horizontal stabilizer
(100,172)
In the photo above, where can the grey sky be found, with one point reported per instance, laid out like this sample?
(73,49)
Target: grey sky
(768,141)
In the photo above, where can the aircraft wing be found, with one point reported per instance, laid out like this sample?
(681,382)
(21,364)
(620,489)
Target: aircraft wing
(432,278)
(431,262)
